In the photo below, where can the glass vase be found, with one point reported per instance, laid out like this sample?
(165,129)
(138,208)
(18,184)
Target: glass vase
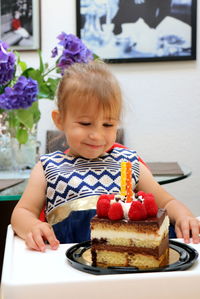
(15,156)
(6,162)
(25,155)
(5,146)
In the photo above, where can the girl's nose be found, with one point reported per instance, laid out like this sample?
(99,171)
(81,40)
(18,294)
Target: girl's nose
(95,134)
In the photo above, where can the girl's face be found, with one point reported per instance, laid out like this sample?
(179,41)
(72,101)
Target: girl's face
(89,132)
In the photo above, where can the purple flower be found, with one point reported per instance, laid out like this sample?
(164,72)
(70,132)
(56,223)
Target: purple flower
(74,50)
(54,52)
(7,64)
(21,96)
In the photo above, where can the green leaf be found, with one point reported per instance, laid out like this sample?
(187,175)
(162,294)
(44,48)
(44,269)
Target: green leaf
(52,85)
(13,122)
(17,55)
(35,112)
(2,88)
(44,91)
(22,135)
(22,65)
(46,66)
(41,62)
(36,75)
(25,116)
(27,72)
(95,56)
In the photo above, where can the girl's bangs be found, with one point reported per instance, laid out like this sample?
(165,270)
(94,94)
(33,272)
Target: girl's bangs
(110,106)
(106,100)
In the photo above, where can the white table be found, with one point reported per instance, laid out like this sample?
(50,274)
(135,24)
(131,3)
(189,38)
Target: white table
(35,275)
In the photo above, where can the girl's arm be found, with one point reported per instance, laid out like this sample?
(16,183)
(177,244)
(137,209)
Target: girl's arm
(25,217)
(184,221)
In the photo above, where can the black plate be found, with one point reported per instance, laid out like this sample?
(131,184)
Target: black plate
(182,258)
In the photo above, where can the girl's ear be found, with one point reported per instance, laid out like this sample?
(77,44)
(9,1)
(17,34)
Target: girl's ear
(57,118)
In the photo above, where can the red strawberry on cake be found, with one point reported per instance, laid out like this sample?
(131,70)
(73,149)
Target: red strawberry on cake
(150,205)
(137,211)
(115,211)
(103,205)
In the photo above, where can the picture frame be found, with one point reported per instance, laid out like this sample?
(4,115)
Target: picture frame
(138,30)
(20,24)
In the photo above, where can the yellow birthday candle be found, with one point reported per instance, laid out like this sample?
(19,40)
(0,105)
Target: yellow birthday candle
(129,184)
(123,179)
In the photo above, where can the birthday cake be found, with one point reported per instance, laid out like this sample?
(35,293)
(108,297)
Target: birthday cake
(129,234)
(129,231)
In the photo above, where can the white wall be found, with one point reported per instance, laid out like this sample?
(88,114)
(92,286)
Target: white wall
(162,115)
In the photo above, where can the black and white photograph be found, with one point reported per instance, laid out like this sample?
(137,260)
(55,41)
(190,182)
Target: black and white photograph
(138,30)
(20,24)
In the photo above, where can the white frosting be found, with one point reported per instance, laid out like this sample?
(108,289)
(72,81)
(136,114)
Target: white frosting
(126,206)
(141,198)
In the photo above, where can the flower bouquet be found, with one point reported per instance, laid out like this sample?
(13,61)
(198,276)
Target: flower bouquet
(21,86)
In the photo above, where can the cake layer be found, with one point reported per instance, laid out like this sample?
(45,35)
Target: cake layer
(127,233)
(147,225)
(105,258)
(157,251)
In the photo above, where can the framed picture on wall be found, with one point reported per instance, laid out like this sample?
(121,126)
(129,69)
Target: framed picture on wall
(138,30)
(20,24)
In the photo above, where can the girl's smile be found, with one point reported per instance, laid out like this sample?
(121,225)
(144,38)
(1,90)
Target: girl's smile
(94,146)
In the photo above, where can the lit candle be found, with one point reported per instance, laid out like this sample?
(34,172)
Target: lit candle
(129,185)
(123,179)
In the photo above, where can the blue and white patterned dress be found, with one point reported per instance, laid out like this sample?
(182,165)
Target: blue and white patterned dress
(74,185)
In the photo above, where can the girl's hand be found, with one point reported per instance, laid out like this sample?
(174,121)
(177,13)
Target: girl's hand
(40,232)
(187,227)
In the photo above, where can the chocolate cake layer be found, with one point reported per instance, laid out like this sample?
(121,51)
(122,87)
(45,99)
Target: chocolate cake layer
(148,225)
(106,258)
(157,251)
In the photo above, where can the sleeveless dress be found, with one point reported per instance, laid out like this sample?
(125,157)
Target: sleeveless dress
(74,185)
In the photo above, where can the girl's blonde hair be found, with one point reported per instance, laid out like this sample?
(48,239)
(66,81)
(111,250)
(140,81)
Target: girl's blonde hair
(83,84)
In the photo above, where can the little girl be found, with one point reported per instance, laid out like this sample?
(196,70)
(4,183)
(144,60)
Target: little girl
(68,184)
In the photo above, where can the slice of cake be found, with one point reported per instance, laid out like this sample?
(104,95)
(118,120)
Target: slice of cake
(133,234)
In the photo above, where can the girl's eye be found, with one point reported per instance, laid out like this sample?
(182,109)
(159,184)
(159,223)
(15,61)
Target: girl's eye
(108,125)
(84,123)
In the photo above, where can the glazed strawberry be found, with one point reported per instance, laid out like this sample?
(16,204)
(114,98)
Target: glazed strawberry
(150,205)
(141,193)
(137,211)
(144,195)
(103,196)
(107,196)
(115,212)
(110,196)
(103,205)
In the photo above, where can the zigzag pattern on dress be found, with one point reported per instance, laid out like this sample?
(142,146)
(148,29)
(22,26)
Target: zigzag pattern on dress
(69,178)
